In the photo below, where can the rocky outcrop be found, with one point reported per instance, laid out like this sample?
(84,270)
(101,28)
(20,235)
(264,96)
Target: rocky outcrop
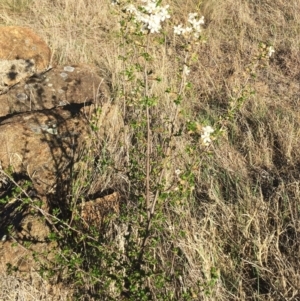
(45,127)
(57,87)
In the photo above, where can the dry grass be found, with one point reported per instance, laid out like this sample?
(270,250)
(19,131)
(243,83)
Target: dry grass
(240,229)
(13,288)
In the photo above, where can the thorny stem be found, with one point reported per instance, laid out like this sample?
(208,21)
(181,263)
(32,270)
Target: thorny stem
(168,148)
(151,206)
(148,139)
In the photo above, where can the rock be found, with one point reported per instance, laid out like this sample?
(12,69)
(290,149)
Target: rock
(22,43)
(57,87)
(12,72)
(22,53)
(42,144)
(93,212)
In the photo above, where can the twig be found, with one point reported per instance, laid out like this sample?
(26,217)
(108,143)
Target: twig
(148,204)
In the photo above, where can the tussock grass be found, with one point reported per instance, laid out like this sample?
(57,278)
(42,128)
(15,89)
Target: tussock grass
(233,234)
(14,288)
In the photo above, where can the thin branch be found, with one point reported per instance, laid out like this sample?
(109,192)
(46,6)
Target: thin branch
(148,167)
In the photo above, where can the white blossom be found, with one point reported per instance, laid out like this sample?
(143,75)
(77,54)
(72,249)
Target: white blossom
(195,29)
(271,50)
(177,172)
(164,14)
(150,15)
(153,23)
(187,30)
(205,136)
(150,7)
(208,129)
(178,29)
(192,16)
(206,140)
(131,9)
(186,70)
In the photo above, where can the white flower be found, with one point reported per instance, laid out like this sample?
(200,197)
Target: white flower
(150,7)
(191,17)
(205,137)
(187,30)
(177,172)
(205,140)
(131,9)
(186,70)
(197,24)
(208,129)
(153,23)
(271,50)
(195,29)
(178,29)
(164,14)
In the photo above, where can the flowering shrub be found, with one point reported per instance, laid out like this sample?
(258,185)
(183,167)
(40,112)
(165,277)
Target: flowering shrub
(147,34)
(149,17)
(128,258)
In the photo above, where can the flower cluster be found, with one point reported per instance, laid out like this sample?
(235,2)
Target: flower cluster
(205,136)
(194,28)
(149,15)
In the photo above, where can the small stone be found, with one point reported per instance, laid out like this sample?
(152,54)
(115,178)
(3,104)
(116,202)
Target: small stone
(64,75)
(28,86)
(22,96)
(69,69)
(52,131)
(44,127)
(35,129)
